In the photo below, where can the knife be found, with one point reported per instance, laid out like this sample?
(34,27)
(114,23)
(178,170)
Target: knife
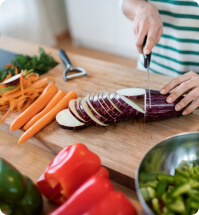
(147,60)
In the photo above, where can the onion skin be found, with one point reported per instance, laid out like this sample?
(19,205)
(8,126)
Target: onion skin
(160,109)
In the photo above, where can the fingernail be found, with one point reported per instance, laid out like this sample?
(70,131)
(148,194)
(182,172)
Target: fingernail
(169,99)
(162,91)
(184,112)
(178,107)
(146,51)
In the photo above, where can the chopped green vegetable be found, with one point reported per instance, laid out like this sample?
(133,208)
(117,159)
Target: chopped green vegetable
(40,64)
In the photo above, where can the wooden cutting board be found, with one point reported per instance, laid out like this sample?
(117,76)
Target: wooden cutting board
(120,146)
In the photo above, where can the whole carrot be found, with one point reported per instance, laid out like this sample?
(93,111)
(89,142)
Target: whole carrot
(47,118)
(36,106)
(58,96)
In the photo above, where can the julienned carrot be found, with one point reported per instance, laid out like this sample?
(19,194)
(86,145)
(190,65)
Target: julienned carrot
(35,107)
(7,77)
(21,83)
(59,95)
(12,65)
(40,83)
(47,118)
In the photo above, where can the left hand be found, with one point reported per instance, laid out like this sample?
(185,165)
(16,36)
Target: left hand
(185,84)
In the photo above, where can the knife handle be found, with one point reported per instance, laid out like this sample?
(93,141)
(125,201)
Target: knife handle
(62,54)
(147,58)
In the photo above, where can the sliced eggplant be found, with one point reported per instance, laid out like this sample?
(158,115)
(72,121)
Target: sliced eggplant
(130,113)
(132,93)
(159,109)
(138,111)
(87,112)
(94,112)
(118,114)
(79,111)
(74,112)
(13,80)
(68,121)
(99,108)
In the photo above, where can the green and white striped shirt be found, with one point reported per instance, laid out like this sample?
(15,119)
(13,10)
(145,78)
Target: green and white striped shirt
(178,49)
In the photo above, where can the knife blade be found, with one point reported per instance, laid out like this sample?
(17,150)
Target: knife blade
(147,60)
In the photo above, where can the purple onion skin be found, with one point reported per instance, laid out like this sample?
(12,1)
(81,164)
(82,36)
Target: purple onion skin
(128,113)
(160,109)
(97,115)
(100,109)
(79,111)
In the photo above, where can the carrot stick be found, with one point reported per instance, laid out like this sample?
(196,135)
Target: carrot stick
(59,95)
(40,83)
(47,118)
(36,106)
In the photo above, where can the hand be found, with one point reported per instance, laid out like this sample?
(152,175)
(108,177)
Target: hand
(147,22)
(185,84)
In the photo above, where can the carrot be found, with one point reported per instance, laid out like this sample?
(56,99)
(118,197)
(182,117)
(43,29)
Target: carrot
(35,107)
(59,95)
(40,83)
(12,65)
(21,83)
(13,103)
(7,77)
(47,118)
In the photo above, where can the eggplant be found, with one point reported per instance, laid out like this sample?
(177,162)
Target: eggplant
(132,93)
(93,110)
(87,112)
(100,109)
(128,104)
(160,109)
(74,112)
(67,121)
(12,80)
(79,111)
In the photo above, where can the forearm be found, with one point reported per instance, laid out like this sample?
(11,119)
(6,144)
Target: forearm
(133,7)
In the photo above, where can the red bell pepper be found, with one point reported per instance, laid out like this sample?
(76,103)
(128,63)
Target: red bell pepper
(71,167)
(96,197)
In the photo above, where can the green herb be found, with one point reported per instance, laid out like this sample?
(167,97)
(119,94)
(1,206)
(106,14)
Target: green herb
(40,64)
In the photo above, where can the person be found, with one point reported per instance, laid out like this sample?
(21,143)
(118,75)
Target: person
(172,30)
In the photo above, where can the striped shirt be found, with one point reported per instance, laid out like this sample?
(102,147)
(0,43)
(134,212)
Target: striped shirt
(178,49)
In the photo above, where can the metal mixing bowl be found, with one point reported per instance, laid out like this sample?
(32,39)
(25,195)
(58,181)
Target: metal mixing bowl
(164,158)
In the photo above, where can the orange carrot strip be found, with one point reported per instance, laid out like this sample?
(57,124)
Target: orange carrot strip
(13,103)
(7,77)
(37,106)
(12,65)
(3,107)
(40,83)
(28,103)
(47,118)
(21,83)
(11,91)
(59,95)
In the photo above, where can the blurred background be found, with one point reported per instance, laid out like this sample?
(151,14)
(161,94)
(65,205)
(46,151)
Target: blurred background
(93,28)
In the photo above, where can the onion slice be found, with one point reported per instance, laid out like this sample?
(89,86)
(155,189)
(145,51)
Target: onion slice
(12,80)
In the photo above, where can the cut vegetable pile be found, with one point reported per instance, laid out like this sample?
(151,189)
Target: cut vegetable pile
(106,108)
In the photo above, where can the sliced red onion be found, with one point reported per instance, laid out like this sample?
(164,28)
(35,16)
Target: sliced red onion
(132,93)
(99,108)
(94,112)
(87,112)
(160,109)
(74,112)
(68,121)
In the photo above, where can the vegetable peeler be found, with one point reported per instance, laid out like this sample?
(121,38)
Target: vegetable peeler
(147,60)
(78,71)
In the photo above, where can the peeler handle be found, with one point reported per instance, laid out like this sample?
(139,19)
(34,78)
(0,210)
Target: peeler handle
(147,58)
(62,54)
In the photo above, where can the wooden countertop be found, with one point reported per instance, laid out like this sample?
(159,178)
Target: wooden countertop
(120,146)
